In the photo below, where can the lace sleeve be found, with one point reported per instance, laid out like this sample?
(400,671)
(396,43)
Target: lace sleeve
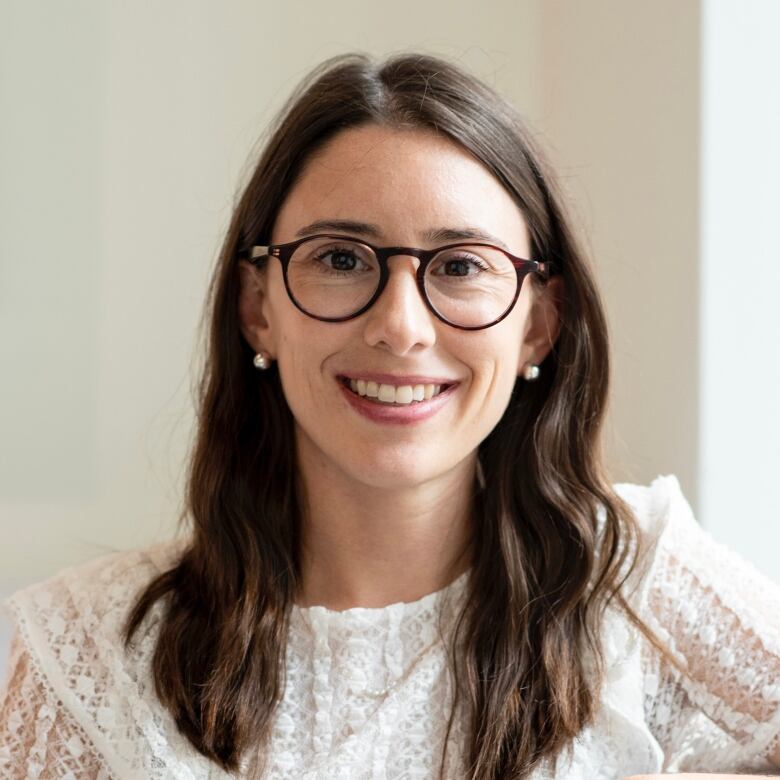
(721,619)
(38,738)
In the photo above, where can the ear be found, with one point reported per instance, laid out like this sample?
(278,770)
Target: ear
(543,323)
(254,308)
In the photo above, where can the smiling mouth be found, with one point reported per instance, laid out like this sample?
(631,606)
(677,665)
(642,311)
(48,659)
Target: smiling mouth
(392,395)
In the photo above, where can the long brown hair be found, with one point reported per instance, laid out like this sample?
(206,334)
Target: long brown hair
(544,568)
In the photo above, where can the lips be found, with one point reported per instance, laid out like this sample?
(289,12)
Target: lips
(400,408)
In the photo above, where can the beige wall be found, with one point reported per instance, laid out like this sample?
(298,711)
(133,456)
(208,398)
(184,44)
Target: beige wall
(620,105)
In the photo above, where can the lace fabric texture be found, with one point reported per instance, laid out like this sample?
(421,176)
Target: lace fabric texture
(75,705)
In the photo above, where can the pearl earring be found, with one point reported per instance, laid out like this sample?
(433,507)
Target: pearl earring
(531,372)
(262,361)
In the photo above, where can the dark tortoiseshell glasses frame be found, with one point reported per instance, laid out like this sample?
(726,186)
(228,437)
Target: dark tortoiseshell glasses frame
(284,252)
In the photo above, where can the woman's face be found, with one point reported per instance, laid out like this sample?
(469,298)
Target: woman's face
(406,183)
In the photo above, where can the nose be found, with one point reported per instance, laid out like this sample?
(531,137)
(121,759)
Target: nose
(399,320)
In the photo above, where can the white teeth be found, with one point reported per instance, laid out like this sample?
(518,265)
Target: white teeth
(390,394)
(386,394)
(404,394)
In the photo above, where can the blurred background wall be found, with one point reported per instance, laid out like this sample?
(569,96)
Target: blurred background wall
(126,129)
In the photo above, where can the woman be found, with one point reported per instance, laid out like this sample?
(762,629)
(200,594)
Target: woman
(405,559)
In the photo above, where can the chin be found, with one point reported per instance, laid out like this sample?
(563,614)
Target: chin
(384,475)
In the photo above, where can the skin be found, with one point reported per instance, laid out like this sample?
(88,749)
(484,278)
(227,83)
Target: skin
(391,521)
(391,518)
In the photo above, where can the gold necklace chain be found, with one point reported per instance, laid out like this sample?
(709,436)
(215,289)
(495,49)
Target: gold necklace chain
(384,692)
(394,685)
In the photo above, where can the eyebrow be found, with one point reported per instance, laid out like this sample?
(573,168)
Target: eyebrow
(367,229)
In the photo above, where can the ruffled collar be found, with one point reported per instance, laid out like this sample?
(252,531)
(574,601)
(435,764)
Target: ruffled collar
(402,614)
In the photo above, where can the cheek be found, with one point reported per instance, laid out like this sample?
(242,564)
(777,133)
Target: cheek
(494,370)
(496,356)
(305,368)
(300,359)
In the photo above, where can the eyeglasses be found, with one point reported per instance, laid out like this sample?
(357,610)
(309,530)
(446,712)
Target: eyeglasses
(335,278)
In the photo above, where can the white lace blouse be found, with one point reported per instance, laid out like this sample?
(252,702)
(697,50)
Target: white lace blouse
(76,706)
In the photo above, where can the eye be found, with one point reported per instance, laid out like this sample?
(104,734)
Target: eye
(341,259)
(461,264)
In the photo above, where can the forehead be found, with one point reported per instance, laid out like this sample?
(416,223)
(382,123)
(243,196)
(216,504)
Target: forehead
(407,182)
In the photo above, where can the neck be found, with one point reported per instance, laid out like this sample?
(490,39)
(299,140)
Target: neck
(364,546)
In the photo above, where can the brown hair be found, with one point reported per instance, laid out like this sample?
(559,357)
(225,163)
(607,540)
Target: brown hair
(545,567)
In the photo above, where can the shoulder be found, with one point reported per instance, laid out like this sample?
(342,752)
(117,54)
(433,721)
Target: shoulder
(77,616)
(98,591)
(70,636)
(657,506)
(660,509)
(663,515)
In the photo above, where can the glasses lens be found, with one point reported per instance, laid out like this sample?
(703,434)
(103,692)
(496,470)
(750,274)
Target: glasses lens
(332,278)
(471,285)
